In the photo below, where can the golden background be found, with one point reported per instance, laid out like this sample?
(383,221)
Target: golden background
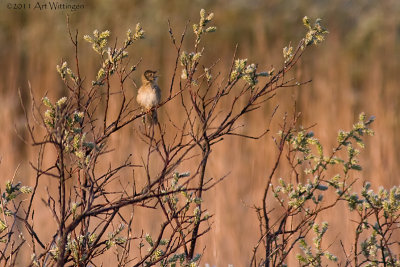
(356,69)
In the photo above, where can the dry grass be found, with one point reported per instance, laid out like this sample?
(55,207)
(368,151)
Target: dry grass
(355,70)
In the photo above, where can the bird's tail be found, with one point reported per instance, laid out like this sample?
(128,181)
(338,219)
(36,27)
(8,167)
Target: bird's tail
(151,117)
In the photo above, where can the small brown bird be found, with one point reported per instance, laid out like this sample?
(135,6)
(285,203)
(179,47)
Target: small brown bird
(149,95)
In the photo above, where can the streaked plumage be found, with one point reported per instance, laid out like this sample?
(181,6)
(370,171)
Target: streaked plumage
(149,95)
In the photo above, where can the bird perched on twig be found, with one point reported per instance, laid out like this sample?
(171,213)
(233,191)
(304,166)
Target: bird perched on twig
(149,95)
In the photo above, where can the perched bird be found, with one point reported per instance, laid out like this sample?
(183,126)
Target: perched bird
(149,95)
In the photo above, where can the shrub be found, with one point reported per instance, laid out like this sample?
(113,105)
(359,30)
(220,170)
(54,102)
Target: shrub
(95,201)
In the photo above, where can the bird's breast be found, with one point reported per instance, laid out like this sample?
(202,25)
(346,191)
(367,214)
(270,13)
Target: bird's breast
(148,96)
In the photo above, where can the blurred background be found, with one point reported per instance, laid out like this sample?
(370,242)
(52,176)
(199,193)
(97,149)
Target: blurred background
(356,69)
